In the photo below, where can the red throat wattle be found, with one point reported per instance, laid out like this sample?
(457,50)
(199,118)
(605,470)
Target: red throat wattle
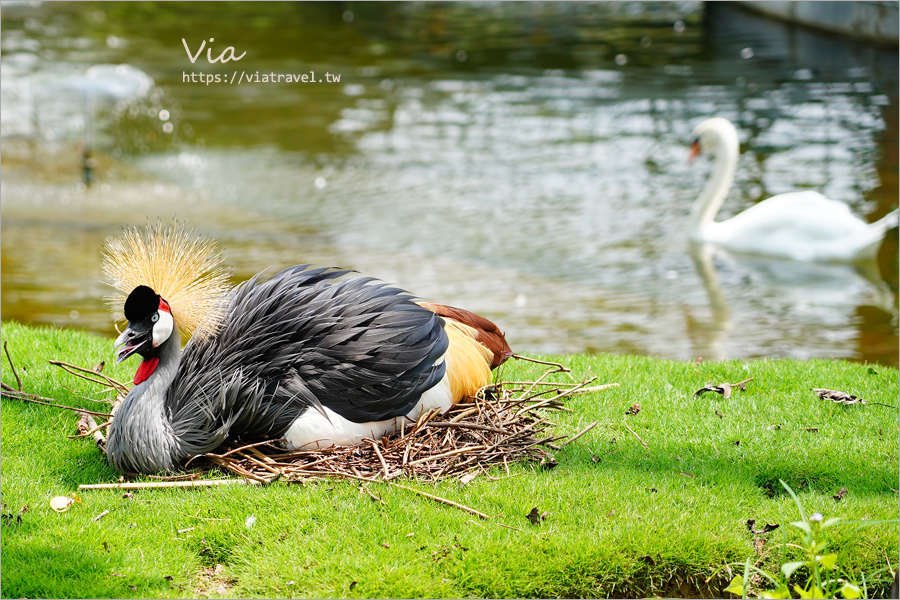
(148,366)
(145,370)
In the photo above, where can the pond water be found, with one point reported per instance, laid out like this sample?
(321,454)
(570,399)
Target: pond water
(524,161)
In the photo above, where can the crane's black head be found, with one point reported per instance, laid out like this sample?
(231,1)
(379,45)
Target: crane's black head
(141,303)
(150,324)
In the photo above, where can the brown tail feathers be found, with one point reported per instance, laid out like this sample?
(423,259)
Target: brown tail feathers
(488,334)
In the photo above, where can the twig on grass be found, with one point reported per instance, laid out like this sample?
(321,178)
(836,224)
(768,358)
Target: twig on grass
(581,389)
(637,436)
(233,466)
(363,487)
(34,398)
(578,435)
(94,428)
(88,426)
(441,500)
(598,388)
(11,365)
(105,380)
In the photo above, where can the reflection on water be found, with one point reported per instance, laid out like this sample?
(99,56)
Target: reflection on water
(821,293)
(524,161)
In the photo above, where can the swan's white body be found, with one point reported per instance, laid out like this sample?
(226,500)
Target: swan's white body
(803,226)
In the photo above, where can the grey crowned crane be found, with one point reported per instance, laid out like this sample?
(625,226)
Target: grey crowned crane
(303,356)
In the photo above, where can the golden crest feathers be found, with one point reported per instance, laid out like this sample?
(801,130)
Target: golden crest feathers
(180,266)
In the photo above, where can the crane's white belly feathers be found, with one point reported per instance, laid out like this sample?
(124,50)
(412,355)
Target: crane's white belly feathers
(313,430)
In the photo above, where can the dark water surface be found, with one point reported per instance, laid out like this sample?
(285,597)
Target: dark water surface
(525,161)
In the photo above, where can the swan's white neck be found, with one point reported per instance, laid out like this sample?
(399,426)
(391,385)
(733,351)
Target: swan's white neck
(721,138)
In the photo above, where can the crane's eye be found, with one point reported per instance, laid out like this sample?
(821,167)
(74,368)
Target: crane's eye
(154,318)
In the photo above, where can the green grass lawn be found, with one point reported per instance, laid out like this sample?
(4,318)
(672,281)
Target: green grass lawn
(624,520)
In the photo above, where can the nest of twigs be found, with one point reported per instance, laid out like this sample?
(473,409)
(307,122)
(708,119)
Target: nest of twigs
(507,422)
(493,430)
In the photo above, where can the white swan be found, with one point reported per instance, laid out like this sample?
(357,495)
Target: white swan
(803,226)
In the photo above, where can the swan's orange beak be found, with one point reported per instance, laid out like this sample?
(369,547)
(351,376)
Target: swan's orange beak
(695,152)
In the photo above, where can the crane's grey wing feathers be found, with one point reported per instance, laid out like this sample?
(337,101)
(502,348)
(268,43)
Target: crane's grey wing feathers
(301,340)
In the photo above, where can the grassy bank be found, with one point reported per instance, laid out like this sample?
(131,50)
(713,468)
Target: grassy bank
(625,519)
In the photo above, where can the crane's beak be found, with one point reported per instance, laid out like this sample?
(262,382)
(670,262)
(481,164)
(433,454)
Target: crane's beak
(135,338)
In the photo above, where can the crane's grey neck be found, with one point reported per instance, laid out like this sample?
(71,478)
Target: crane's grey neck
(141,439)
(725,145)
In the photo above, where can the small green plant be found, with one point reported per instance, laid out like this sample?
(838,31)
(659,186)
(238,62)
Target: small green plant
(822,581)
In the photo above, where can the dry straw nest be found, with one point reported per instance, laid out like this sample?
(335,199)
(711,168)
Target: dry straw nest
(495,429)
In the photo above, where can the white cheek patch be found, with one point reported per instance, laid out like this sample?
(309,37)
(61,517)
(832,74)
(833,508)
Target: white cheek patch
(163,328)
